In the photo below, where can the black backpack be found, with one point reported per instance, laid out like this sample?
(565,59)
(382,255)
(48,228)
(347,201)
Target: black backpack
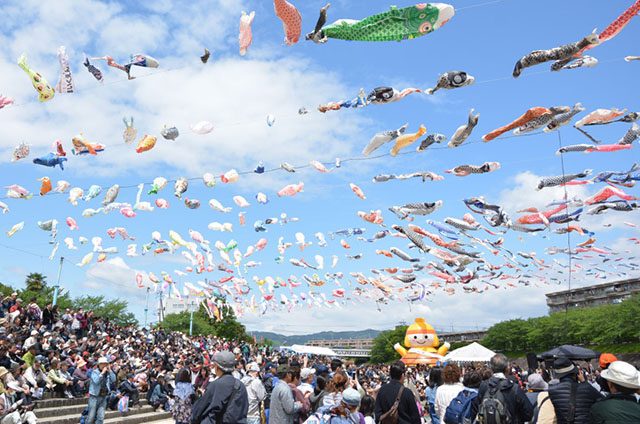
(268,387)
(493,407)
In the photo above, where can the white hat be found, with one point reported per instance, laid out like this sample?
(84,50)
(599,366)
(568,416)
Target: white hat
(34,332)
(623,374)
(306,372)
(103,360)
(253,367)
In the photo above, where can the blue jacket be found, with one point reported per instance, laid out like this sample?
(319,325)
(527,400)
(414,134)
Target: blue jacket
(98,380)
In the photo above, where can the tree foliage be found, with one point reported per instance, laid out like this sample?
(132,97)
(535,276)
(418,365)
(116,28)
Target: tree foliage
(382,350)
(35,282)
(113,310)
(602,325)
(37,288)
(228,327)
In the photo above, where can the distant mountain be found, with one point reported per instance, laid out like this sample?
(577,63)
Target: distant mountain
(283,340)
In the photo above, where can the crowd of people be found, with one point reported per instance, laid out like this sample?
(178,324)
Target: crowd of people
(47,352)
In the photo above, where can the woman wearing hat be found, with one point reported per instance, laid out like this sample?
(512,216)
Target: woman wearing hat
(621,406)
(80,376)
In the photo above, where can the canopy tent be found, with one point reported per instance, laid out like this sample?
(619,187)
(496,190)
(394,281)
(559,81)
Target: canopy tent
(571,352)
(312,350)
(474,352)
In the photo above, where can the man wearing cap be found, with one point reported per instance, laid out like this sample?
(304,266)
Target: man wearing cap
(604,361)
(102,382)
(621,406)
(255,391)
(225,401)
(572,397)
(35,377)
(306,378)
(283,405)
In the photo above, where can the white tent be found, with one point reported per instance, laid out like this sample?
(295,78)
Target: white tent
(474,352)
(312,350)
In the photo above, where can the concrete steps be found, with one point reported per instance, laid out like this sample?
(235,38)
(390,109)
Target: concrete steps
(67,411)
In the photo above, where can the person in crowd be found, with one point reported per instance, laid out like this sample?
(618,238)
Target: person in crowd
(435,381)
(306,380)
(202,380)
(29,357)
(81,377)
(302,415)
(334,389)
(367,408)
(336,366)
(449,390)
(517,406)
(394,389)
(48,317)
(129,389)
(184,396)
(15,381)
(159,398)
(256,393)
(270,379)
(604,361)
(60,385)
(225,401)
(317,398)
(572,397)
(344,413)
(102,383)
(621,405)
(283,407)
(543,412)
(36,378)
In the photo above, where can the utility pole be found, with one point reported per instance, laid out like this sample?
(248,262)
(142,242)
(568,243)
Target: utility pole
(192,309)
(56,288)
(146,308)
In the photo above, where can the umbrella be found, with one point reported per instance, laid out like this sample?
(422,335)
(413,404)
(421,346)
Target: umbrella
(571,352)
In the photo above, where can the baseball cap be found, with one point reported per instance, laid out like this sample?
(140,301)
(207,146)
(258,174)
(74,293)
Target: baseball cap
(306,372)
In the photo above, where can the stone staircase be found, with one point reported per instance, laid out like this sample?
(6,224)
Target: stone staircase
(67,411)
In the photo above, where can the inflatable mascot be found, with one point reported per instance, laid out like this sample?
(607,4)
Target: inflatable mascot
(421,344)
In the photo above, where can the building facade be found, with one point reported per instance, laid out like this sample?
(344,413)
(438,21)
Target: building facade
(599,294)
(173,305)
(365,344)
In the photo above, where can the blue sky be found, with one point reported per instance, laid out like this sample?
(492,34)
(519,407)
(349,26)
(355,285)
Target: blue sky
(236,94)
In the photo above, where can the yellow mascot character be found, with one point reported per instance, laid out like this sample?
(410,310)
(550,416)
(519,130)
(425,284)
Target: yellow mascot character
(421,342)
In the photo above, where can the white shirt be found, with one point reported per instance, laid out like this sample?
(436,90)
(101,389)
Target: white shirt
(305,388)
(444,395)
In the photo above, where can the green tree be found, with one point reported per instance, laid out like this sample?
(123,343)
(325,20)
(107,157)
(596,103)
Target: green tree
(35,282)
(113,310)
(203,325)
(382,350)
(606,325)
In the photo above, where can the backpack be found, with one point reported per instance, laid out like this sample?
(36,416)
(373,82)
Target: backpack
(392,415)
(459,410)
(493,408)
(268,387)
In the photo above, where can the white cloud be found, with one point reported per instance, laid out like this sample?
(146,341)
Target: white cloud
(524,195)
(439,310)
(234,93)
(115,274)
